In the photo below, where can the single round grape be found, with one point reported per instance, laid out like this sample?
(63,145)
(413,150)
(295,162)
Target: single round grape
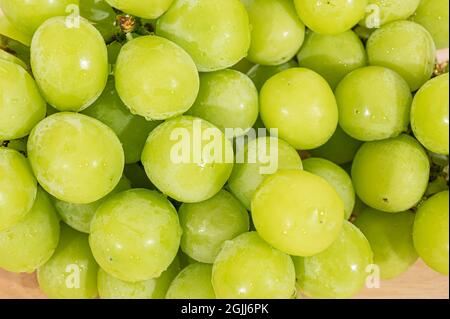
(391,175)
(391,239)
(216,33)
(297,212)
(177,159)
(332,56)
(248,268)
(381,12)
(148,9)
(429,115)
(135,235)
(227,99)
(9,30)
(75,158)
(71,273)
(431,232)
(193,282)
(300,103)
(338,272)
(374,104)
(259,74)
(330,16)
(29,243)
(433,15)
(11,58)
(21,106)
(405,47)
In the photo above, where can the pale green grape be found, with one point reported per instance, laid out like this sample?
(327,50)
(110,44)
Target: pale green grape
(227,99)
(155,78)
(405,47)
(338,272)
(297,212)
(188,159)
(75,158)
(261,73)
(300,103)
(248,268)
(216,33)
(148,9)
(193,282)
(332,56)
(71,273)
(11,58)
(102,16)
(135,235)
(243,66)
(391,175)
(374,104)
(31,242)
(391,239)
(381,12)
(431,232)
(433,15)
(207,225)
(10,31)
(429,115)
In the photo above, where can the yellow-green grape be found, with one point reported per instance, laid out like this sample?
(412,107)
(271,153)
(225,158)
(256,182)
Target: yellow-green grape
(431,232)
(132,130)
(330,16)
(391,175)
(338,272)
(10,31)
(101,15)
(193,282)
(433,15)
(332,56)
(243,66)
(207,225)
(276,31)
(248,268)
(260,158)
(216,33)
(28,244)
(18,187)
(391,239)
(261,73)
(429,115)
(405,47)
(71,273)
(301,105)
(21,106)
(297,212)
(11,58)
(75,158)
(188,159)
(148,9)
(69,62)
(374,104)
(381,12)
(227,99)
(135,235)
(155,78)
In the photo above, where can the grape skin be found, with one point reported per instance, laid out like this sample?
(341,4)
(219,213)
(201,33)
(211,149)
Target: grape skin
(261,73)
(433,15)
(148,9)
(193,282)
(389,11)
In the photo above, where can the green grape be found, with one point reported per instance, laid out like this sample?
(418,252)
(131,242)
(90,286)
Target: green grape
(300,103)
(391,175)
(338,272)
(227,99)
(75,158)
(10,31)
(135,235)
(405,47)
(155,78)
(330,16)
(71,273)
(259,74)
(276,31)
(257,160)
(433,15)
(243,66)
(178,159)
(248,268)
(216,33)
(332,56)
(429,115)
(18,187)
(137,176)
(391,239)
(102,16)
(297,212)
(28,244)
(381,12)
(70,64)
(193,282)
(374,104)
(339,149)
(336,177)
(11,58)
(207,225)
(431,232)
(148,9)
(132,130)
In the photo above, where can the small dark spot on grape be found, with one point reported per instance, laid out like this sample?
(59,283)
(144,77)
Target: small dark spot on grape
(385,200)
(110,259)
